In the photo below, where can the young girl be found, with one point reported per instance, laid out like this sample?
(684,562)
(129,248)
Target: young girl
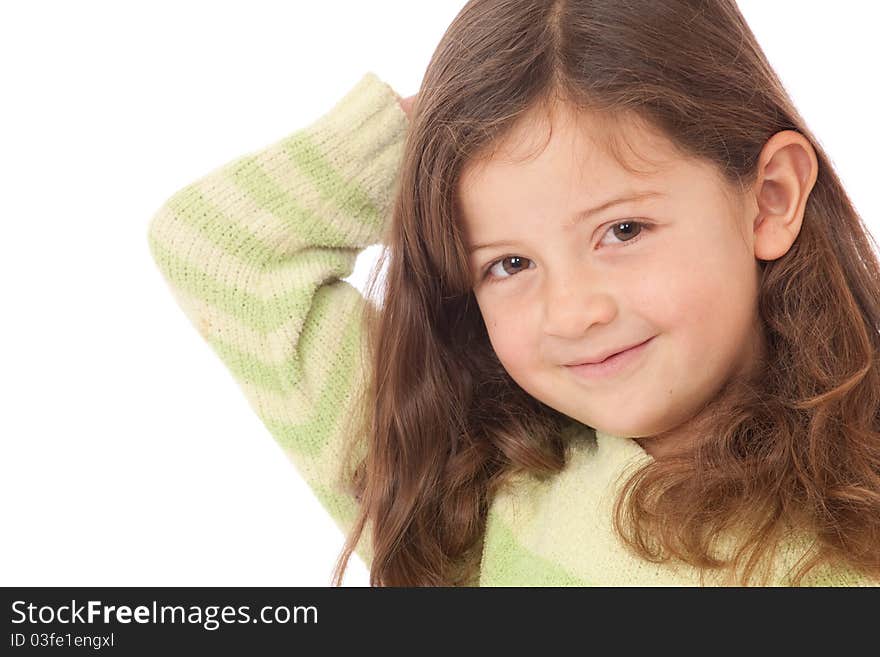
(582,181)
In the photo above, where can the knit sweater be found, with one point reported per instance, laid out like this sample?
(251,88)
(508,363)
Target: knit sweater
(254,252)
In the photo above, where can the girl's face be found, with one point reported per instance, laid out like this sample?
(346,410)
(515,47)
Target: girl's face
(676,266)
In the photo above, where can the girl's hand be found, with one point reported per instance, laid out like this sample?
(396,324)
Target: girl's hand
(407,105)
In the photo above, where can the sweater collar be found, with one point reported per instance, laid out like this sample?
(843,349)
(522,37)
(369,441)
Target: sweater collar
(621,446)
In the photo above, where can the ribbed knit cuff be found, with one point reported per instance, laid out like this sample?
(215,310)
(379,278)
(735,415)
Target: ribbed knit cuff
(362,136)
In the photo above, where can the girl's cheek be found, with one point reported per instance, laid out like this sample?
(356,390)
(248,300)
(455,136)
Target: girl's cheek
(500,335)
(513,341)
(512,323)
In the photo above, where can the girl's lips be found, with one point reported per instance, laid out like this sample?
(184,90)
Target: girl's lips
(611,365)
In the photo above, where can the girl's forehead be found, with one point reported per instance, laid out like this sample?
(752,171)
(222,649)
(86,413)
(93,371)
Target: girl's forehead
(592,145)
(555,165)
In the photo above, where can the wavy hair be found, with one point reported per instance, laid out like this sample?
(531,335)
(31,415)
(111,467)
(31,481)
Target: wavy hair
(796,446)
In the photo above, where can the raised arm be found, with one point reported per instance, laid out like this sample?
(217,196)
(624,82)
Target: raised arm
(254,253)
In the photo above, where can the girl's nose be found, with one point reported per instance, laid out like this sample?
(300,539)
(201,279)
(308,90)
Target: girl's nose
(574,303)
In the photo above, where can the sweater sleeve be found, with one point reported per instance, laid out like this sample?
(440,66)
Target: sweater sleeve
(254,252)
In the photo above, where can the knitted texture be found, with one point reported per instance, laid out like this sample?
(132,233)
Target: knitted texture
(254,253)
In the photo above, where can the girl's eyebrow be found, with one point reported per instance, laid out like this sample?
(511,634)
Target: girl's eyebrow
(584,215)
(628,196)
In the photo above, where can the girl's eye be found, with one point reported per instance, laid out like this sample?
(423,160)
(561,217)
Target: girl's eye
(492,271)
(629,232)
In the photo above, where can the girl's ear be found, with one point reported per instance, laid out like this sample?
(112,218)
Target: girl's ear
(787,171)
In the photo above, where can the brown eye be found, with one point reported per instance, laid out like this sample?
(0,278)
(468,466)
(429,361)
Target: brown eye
(517,264)
(626,232)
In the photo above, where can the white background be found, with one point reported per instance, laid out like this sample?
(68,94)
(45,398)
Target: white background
(129,455)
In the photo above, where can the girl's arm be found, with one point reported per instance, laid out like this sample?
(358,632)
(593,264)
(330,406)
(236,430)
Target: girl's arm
(254,253)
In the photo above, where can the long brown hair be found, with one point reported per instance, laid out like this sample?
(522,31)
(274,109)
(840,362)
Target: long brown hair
(445,425)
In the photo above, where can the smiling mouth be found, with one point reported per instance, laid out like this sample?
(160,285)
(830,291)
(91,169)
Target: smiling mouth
(612,365)
(610,356)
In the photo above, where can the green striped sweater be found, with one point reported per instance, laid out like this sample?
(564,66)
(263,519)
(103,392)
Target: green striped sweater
(254,252)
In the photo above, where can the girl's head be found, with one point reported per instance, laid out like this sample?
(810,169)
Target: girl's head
(737,253)
(576,256)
